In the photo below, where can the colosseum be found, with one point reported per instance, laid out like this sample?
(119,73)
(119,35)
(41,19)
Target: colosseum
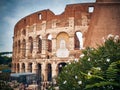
(43,42)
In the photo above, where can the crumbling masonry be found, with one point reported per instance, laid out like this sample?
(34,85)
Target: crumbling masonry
(44,42)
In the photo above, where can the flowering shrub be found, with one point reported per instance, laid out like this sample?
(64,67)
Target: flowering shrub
(97,69)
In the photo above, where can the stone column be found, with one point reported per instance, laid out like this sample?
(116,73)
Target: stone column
(37,42)
(44,39)
(53,45)
(34,67)
(71,39)
(27,49)
(34,42)
(27,42)
(44,47)
(34,48)
(26,67)
(54,69)
(20,68)
(44,76)
(21,50)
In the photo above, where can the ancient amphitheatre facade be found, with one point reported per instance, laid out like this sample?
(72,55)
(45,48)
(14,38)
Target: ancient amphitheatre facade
(44,42)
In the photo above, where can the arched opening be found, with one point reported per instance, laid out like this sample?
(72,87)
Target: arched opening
(31,44)
(18,68)
(23,67)
(39,79)
(49,72)
(78,41)
(49,43)
(23,48)
(39,16)
(60,67)
(30,67)
(62,45)
(39,43)
(14,67)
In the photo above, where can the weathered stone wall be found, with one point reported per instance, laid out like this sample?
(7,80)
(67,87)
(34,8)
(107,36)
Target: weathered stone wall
(31,47)
(105,21)
(34,52)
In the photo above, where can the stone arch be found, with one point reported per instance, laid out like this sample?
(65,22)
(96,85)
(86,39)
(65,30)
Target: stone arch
(62,45)
(78,40)
(39,43)
(30,44)
(60,66)
(23,67)
(49,42)
(23,48)
(39,72)
(30,66)
(62,35)
(18,67)
(49,72)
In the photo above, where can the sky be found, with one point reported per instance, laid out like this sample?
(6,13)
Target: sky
(11,11)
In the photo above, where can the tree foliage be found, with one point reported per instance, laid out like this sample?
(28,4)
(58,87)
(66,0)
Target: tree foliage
(5,60)
(97,69)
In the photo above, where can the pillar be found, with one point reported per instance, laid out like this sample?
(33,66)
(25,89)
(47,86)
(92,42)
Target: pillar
(44,76)
(53,44)
(26,67)
(27,43)
(34,48)
(44,39)
(20,67)
(54,69)
(34,42)
(34,67)
(71,39)
(44,47)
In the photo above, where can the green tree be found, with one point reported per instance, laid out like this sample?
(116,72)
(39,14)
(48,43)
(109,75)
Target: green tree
(97,69)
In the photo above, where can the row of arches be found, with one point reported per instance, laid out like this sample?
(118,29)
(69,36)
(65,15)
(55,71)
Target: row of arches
(21,68)
(20,46)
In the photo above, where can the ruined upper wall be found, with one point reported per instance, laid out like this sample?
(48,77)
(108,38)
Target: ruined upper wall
(104,21)
(34,18)
(72,10)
